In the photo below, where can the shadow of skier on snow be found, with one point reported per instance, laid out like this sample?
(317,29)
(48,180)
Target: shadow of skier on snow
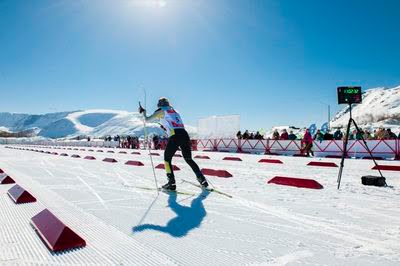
(187,219)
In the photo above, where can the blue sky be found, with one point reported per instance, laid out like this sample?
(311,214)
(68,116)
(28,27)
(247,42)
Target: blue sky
(272,62)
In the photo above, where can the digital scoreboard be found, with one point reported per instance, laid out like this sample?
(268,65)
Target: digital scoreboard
(349,95)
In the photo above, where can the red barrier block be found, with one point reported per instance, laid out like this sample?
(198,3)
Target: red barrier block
(201,157)
(178,155)
(63,154)
(75,149)
(134,163)
(218,173)
(377,158)
(99,150)
(54,233)
(90,150)
(69,148)
(323,164)
(232,159)
(386,167)
(82,150)
(20,195)
(90,158)
(54,153)
(154,154)
(162,166)
(110,160)
(122,152)
(295,182)
(270,161)
(6,179)
(136,152)
(1,171)
(75,156)
(110,151)
(48,152)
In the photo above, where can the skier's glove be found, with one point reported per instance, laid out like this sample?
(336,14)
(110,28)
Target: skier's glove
(141,109)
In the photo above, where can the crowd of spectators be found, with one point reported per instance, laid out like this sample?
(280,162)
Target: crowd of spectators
(338,134)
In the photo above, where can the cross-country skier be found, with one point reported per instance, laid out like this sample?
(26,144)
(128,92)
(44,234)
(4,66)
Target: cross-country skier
(178,138)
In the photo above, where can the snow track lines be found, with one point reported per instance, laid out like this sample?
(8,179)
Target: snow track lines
(90,158)
(295,182)
(270,161)
(217,173)
(20,195)
(134,163)
(386,167)
(201,157)
(6,179)
(54,233)
(110,160)
(162,166)
(232,159)
(323,164)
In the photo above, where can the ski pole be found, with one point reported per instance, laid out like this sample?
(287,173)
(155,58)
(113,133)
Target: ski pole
(148,147)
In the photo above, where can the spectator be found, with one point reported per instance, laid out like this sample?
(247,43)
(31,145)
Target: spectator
(284,135)
(239,135)
(382,134)
(156,142)
(275,135)
(246,135)
(367,135)
(328,136)
(292,136)
(338,135)
(318,136)
(308,143)
(258,135)
(251,135)
(359,134)
(391,134)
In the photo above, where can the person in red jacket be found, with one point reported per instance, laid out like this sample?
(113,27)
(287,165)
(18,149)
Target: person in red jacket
(284,135)
(308,143)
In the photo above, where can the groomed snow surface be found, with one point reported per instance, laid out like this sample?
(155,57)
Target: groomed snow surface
(262,224)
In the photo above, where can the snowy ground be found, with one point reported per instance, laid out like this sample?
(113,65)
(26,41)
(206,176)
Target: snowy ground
(261,225)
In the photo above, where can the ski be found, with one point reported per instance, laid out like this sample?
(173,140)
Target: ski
(166,190)
(208,189)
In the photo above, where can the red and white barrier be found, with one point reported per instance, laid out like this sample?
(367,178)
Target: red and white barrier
(356,148)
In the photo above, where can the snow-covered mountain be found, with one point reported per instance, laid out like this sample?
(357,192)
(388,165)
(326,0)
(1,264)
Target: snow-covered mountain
(95,123)
(380,107)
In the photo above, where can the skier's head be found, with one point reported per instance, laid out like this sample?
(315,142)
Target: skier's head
(163,102)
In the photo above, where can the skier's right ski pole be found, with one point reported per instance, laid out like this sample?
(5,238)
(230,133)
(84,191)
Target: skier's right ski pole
(148,147)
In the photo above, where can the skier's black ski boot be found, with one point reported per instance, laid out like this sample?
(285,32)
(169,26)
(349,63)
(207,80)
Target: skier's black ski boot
(202,180)
(171,185)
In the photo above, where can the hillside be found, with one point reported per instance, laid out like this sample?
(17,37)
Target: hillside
(95,123)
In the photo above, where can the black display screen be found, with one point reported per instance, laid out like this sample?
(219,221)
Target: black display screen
(349,95)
